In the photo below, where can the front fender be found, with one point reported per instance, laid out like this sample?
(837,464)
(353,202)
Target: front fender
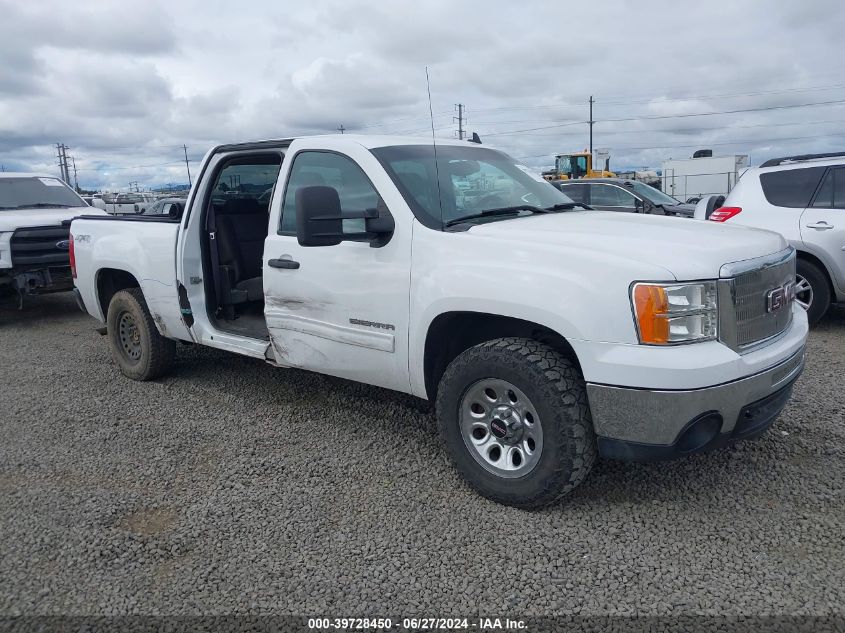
(581,296)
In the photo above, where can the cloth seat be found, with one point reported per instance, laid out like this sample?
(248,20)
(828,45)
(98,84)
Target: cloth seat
(241,231)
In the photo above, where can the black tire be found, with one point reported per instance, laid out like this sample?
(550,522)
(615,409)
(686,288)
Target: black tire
(141,353)
(555,388)
(820,288)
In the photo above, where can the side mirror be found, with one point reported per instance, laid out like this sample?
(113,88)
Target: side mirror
(319,220)
(639,205)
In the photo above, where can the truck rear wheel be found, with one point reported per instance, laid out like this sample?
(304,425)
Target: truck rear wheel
(136,346)
(514,417)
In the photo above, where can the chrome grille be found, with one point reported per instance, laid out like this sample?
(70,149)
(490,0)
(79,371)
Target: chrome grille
(745,318)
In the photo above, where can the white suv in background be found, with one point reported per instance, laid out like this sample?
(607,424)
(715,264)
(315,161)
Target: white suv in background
(803,199)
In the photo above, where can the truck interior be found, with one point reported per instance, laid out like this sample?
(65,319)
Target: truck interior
(236,221)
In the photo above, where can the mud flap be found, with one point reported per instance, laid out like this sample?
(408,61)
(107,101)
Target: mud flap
(185,307)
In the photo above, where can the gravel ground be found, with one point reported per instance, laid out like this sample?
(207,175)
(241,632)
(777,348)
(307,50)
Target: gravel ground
(233,487)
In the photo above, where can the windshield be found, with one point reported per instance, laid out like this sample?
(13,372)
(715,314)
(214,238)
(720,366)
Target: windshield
(572,166)
(651,194)
(472,180)
(30,192)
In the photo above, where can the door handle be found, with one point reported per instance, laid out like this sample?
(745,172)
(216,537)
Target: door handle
(820,225)
(283,263)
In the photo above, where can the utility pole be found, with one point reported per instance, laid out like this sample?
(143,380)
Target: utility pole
(61,151)
(591,124)
(188,167)
(460,119)
(341,129)
(65,148)
(61,164)
(75,179)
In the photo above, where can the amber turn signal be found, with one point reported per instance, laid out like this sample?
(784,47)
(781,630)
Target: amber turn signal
(652,307)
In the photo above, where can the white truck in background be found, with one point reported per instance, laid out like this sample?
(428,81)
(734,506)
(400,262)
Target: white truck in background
(35,215)
(129,203)
(690,179)
(545,333)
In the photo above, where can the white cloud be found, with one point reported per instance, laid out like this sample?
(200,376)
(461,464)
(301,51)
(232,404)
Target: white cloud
(126,84)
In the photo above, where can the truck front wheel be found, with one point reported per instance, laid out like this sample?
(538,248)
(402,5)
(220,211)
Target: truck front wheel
(514,417)
(136,346)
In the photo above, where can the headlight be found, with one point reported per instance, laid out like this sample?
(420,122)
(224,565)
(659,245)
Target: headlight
(667,314)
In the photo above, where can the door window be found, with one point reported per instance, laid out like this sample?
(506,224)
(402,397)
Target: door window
(577,192)
(246,177)
(831,194)
(354,189)
(610,196)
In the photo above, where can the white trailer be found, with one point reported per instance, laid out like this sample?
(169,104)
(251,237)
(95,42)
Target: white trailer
(696,177)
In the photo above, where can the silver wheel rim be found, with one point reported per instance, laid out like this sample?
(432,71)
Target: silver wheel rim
(130,336)
(803,292)
(501,428)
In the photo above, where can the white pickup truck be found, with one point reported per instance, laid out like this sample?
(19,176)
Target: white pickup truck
(128,203)
(546,334)
(35,215)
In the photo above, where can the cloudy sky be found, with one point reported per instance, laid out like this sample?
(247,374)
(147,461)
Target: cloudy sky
(126,84)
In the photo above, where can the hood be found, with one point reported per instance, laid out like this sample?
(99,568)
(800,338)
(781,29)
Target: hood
(687,249)
(23,218)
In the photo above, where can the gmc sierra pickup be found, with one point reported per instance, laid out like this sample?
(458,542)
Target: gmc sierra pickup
(546,333)
(35,215)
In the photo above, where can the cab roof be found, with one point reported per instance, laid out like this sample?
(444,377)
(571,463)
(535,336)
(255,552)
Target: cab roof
(370,141)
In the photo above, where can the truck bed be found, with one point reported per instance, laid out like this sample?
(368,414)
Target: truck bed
(143,246)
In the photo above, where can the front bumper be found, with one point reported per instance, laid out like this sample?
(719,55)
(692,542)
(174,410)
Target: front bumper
(646,424)
(40,281)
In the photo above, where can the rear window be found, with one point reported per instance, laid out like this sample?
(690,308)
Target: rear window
(791,187)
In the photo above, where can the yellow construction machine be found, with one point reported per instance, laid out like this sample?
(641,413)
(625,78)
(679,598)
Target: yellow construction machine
(577,165)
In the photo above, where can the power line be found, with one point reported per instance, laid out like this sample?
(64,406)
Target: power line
(651,99)
(739,142)
(653,131)
(675,116)
(401,119)
(102,169)
(743,142)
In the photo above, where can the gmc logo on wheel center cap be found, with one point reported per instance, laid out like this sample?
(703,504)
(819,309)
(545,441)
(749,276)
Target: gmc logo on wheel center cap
(779,297)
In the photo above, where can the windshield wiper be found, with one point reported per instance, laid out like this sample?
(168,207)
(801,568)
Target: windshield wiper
(499,211)
(41,205)
(566,206)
